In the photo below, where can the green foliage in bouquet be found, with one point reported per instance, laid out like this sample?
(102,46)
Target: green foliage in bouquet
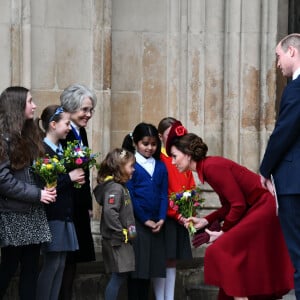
(77,156)
(187,203)
(48,168)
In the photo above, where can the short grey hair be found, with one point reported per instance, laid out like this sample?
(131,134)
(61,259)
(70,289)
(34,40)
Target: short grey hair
(72,97)
(290,40)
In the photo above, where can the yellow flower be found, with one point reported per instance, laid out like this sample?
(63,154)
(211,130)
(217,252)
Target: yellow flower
(48,168)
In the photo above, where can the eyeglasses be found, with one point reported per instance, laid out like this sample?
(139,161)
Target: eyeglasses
(57,112)
(87,110)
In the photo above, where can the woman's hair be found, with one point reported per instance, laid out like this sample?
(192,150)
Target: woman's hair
(190,144)
(113,165)
(140,131)
(165,123)
(20,138)
(49,114)
(72,97)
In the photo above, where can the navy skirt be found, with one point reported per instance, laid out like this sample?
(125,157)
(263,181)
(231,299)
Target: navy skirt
(63,237)
(178,245)
(150,253)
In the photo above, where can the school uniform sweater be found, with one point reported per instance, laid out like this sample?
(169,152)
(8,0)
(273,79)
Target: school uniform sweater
(149,194)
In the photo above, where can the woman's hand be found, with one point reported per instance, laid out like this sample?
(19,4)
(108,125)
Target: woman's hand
(77,175)
(150,224)
(182,220)
(197,222)
(48,195)
(213,235)
(158,226)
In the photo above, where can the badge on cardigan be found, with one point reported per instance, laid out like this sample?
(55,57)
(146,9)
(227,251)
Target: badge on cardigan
(111,199)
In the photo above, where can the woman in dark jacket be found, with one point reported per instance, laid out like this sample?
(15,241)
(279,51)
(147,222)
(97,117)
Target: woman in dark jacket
(80,102)
(23,222)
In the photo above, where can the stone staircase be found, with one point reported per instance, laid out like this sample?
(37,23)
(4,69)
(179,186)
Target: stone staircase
(91,281)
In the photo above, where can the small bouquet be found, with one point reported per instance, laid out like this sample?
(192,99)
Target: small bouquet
(187,203)
(77,156)
(48,169)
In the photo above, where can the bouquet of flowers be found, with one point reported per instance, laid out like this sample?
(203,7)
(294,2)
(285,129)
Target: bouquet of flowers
(48,169)
(187,203)
(77,156)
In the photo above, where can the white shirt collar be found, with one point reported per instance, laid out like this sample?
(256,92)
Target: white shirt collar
(147,163)
(53,146)
(296,73)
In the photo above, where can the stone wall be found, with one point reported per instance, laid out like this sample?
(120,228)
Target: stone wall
(210,63)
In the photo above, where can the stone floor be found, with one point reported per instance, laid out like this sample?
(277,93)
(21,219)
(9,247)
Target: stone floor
(290,296)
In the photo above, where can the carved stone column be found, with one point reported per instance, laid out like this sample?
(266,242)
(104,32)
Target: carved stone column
(228,79)
(20,39)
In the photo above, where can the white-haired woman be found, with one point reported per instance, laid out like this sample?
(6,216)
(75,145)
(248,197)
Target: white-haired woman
(80,101)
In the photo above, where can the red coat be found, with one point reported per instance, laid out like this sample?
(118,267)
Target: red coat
(251,257)
(177,182)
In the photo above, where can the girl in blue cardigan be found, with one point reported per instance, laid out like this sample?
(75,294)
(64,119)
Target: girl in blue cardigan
(148,189)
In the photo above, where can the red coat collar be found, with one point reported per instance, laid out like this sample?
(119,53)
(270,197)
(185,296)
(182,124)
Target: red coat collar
(199,168)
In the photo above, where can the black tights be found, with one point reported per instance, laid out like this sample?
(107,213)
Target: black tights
(28,258)
(138,289)
(66,288)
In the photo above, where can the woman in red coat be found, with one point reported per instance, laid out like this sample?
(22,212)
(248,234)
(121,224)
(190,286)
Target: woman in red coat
(248,258)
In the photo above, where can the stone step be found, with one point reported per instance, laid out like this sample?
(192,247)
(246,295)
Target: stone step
(202,292)
(91,281)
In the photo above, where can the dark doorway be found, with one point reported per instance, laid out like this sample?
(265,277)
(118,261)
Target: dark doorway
(294,16)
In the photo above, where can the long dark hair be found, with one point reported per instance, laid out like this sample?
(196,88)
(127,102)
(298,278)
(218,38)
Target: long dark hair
(19,134)
(140,131)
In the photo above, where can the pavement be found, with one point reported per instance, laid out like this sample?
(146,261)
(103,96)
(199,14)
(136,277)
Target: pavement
(290,296)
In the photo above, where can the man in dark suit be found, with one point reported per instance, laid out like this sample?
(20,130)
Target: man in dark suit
(282,156)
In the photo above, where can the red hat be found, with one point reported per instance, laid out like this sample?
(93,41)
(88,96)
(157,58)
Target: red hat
(176,130)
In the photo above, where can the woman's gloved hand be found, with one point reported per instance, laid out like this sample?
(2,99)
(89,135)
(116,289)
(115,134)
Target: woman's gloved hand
(202,237)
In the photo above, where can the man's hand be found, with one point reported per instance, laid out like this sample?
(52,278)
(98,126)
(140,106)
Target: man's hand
(267,184)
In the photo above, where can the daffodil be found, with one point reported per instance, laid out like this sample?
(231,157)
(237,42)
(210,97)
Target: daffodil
(48,168)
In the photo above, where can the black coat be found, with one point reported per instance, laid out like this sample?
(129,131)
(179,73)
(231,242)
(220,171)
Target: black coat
(82,205)
(62,208)
(282,155)
(18,191)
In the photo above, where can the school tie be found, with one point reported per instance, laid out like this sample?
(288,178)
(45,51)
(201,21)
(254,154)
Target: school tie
(59,152)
